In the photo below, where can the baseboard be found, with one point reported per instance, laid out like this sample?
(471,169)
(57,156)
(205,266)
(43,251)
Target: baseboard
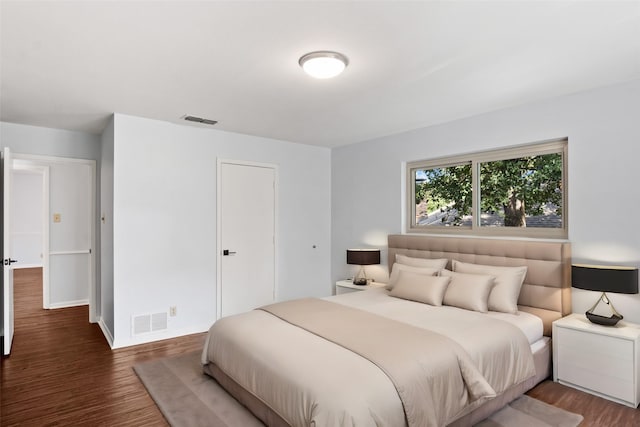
(160,335)
(66,304)
(21,266)
(106,332)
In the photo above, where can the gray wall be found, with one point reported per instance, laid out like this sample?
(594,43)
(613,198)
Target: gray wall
(602,127)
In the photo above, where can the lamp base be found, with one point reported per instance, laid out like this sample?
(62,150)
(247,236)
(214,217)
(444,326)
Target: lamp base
(361,278)
(604,321)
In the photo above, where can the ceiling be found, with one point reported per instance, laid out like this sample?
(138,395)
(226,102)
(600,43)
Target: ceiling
(69,65)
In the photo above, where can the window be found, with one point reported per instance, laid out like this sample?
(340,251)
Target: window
(518,191)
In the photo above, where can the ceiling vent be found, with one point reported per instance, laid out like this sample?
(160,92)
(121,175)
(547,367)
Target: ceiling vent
(200,120)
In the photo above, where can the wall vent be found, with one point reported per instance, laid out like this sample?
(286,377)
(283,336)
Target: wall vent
(145,323)
(200,120)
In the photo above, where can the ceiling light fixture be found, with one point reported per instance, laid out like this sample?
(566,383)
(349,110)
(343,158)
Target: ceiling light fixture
(323,64)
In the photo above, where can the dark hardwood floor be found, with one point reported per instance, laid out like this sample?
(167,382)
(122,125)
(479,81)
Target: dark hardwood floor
(62,372)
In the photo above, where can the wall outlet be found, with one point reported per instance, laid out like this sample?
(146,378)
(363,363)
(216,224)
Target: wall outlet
(173,311)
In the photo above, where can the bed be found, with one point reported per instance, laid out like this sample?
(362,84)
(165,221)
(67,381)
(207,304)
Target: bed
(298,363)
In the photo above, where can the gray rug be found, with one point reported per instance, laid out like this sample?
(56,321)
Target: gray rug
(189,398)
(526,411)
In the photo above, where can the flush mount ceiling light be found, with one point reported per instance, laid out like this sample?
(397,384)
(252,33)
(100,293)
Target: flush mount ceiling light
(323,64)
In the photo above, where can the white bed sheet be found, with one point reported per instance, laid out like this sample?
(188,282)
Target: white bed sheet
(377,301)
(528,323)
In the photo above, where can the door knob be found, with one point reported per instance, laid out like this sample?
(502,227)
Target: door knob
(227,252)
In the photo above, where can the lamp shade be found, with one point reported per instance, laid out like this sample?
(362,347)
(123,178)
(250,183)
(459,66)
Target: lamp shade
(363,256)
(605,278)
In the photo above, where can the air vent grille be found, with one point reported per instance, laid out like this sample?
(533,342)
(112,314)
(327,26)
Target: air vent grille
(145,323)
(200,120)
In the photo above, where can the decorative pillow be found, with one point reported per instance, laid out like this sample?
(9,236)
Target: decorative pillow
(422,262)
(395,271)
(468,291)
(505,293)
(421,288)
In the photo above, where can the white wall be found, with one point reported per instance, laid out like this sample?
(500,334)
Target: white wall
(49,142)
(70,197)
(33,140)
(26,218)
(106,232)
(164,219)
(604,134)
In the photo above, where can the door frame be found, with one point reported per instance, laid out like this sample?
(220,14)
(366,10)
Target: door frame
(38,160)
(274,167)
(45,171)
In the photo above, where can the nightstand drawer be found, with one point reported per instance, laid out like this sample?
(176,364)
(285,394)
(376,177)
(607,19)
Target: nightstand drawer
(599,382)
(596,362)
(596,349)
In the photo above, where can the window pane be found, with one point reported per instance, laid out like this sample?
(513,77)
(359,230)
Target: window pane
(443,196)
(522,192)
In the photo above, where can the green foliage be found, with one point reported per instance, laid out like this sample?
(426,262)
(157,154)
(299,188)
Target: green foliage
(446,189)
(535,181)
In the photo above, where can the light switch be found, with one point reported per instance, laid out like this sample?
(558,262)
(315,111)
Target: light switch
(57,217)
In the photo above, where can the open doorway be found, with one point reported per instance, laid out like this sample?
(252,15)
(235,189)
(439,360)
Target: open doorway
(29,227)
(61,193)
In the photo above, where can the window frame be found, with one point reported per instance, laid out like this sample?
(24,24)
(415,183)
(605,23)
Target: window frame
(556,146)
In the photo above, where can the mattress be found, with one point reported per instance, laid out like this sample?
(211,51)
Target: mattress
(378,301)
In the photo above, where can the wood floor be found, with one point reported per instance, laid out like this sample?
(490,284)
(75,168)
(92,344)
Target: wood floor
(62,372)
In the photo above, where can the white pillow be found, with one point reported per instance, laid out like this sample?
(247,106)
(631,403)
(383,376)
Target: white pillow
(505,293)
(422,262)
(395,271)
(468,291)
(421,288)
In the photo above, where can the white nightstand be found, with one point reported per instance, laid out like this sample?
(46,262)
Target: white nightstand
(346,286)
(598,359)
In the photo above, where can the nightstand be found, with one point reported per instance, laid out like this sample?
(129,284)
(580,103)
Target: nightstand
(598,359)
(346,286)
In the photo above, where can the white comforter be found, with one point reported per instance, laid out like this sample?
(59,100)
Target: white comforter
(310,381)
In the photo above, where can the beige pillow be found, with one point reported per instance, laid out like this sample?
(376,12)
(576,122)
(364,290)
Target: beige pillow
(395,271)
(422,262)
(468,291)
(421,288)
(505,293)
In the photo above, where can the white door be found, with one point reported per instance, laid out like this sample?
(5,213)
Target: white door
(246,230)
(7,270)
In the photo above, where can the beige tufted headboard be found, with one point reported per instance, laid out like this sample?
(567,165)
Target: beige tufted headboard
(546,291)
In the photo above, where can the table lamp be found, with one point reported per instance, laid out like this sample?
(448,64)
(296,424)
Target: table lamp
(362,257)
(605,278)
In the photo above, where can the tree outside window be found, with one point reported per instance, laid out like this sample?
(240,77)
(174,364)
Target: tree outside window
(515,189)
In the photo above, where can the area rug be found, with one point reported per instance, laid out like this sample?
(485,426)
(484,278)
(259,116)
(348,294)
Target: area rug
(188,398)
(526,411)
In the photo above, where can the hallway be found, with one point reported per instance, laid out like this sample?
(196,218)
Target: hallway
(62,371)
